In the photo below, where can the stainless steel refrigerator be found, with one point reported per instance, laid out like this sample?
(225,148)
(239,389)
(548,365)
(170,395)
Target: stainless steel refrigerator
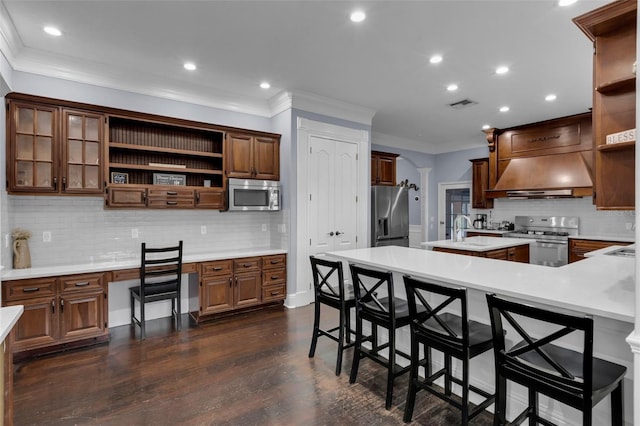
(389,216)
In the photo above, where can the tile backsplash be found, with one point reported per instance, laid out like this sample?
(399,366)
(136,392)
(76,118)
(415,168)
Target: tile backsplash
(592,221)
(82,230)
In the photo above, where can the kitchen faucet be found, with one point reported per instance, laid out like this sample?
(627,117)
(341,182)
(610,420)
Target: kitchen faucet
(457,227)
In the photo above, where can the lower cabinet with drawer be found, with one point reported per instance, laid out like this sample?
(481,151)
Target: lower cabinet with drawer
(226,286)
(59,312)
(579,247)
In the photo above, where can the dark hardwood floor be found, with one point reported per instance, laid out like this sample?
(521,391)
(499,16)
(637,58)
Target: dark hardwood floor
(250,369)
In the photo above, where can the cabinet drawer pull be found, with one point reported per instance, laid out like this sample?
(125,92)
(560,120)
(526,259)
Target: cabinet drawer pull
(274,277)
(172,203)
(82,284)
(247,265)
(275,293)
(275,262)
(217,268)
(172,193)
(30,289)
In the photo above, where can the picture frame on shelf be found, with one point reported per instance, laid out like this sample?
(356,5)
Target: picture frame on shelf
(119,177)
(169,179)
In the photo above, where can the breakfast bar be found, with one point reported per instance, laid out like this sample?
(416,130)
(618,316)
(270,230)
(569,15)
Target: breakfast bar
(601,286)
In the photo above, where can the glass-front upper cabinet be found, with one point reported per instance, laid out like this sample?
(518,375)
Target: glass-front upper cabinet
(53,150)
(33,147)
(82,152)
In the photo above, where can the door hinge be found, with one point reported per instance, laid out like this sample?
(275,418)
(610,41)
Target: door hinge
(356,239)
(309,241)
(356,198)
(356,157)
(310,150)
(309,197)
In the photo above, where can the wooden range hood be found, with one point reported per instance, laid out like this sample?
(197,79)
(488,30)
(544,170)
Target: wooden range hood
(549,159)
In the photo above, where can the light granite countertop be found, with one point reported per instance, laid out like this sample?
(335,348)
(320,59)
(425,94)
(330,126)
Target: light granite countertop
(479,244)
(58,270)
(610,280)
(8,318)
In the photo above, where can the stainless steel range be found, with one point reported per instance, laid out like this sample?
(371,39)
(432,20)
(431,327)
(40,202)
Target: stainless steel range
(551,234)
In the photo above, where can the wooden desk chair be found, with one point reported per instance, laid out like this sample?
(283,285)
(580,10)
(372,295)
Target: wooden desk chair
(331,290)
(453,334)
(568,376)
(160,279)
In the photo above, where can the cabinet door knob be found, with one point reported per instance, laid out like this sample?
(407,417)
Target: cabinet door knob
(339,233)
(331,234)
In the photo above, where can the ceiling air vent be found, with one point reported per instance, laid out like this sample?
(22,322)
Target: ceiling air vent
(463,104)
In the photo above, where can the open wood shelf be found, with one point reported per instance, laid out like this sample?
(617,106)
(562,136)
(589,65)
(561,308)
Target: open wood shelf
(164,169)
(617,146)
(132,147)
(625,84)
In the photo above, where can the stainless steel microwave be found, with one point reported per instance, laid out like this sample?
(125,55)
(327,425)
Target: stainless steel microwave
(252,195)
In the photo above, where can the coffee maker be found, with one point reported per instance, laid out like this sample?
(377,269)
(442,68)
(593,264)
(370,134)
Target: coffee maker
(480,221)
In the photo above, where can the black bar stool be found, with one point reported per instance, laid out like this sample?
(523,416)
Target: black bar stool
(570,377)
(452,334)
(375,302)
(331,290)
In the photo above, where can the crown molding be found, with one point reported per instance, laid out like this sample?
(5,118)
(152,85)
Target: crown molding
(331,107)
(10,42)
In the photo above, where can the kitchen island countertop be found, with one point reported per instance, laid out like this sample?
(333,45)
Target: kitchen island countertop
(479,244)
(599,285)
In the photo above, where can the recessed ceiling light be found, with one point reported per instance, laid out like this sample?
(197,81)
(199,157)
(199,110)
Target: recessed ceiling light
(486,127)
(550,98)
(502,70)
(563,3)
(504,109)
(452,87)
(357,16)
(265,85)
(52,31)
(435,59)
(189,66)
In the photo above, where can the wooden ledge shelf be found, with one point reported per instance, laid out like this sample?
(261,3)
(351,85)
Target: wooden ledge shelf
(626,84)
(617,146)
(165,169)
(134,147)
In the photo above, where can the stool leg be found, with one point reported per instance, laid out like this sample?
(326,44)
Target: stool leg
(347,313)
(340,342)
(447,374)
(356,351)
(465,392)
(500,413)
(533,407)
(391,372)
(413,377)
(617,405)
(316,324)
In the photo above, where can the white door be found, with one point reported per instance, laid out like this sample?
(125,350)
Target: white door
(332,184)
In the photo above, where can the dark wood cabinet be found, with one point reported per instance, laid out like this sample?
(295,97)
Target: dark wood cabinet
(232,284)
(52,150)
(383,168)
(480,183)
(58,311)
(252,157)
(578,247)
(512,254)
(612,29)
(132,159)
(471,233)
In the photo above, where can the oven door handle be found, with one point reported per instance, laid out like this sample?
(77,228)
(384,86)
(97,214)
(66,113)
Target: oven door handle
(560,243)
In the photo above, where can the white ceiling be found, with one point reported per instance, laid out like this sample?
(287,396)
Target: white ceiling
(310,46)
